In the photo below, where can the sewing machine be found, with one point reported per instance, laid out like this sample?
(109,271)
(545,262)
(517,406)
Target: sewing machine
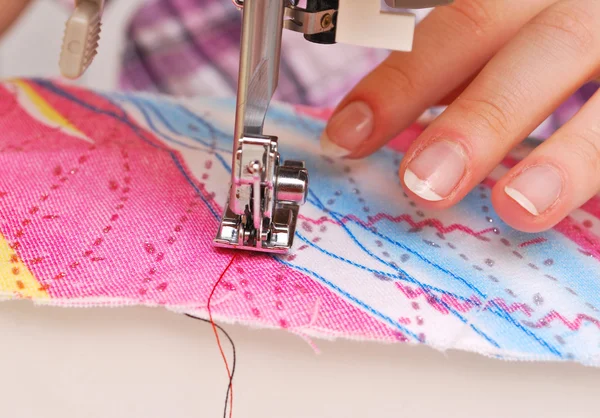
(266,193)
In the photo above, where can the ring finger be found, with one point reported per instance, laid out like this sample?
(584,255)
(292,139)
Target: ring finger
(557,177)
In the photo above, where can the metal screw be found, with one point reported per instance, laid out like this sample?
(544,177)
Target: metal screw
(254,167)
(326,21)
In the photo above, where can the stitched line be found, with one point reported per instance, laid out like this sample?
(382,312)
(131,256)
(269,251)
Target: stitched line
(347,295)
(170,139)
(544,343)
(136,130)
(409,278)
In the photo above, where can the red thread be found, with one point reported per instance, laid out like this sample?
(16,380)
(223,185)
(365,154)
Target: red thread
(431,222)
(573,325)
(441,303)
(539,240)
(215,331)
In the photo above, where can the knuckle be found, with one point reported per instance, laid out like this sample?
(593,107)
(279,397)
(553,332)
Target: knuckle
(475,15)
(492,116)
(585,146)
(567,28)
(398,79)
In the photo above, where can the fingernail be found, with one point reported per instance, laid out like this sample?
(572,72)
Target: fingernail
(436,171)
(536,189)
(347,130)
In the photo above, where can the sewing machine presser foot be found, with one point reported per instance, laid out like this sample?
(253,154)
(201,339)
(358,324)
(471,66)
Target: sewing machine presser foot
(264,200)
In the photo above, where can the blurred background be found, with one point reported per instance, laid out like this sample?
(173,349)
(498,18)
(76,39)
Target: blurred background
(31,47)
(179,48)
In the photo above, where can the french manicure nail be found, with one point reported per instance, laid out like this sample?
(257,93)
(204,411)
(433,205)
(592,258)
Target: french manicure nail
(347,130)
(536,189)
(436,171)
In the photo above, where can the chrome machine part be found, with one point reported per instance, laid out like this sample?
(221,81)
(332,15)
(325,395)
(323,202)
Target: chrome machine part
(259,64)
(274,193)
(266,195)
(309,23)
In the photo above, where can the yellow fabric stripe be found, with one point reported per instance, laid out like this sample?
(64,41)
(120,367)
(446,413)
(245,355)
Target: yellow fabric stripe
(15,276)
(40,108)
(42,105)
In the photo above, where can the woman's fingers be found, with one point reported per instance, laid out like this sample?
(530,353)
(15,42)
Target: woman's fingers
(546,62)
(451,45)
(9,12)
(558,177)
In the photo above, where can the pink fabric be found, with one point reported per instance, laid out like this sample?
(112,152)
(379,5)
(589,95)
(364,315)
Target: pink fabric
(93,223)
(114,200)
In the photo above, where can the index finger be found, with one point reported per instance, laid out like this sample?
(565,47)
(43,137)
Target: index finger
(451,44)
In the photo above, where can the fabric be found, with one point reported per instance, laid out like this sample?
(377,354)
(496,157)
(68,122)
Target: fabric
(114,199)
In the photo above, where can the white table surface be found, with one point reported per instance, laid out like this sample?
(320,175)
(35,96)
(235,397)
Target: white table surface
(150,363)
(147,363)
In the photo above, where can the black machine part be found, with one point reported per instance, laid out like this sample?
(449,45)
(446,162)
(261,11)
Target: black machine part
(317,6)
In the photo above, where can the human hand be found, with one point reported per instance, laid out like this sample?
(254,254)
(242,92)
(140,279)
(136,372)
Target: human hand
(504,66)
(9,12)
